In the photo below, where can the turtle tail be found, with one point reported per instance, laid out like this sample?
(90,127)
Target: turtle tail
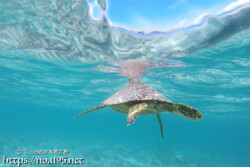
(93,109)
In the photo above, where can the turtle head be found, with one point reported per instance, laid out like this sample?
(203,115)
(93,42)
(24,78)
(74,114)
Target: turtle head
(190,113)
(186,111)
(197,115)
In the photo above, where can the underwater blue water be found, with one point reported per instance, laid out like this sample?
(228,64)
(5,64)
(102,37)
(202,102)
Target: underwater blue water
(51,74)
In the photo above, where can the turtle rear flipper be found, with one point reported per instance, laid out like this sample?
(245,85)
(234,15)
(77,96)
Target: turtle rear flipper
(134,112)
(93,109)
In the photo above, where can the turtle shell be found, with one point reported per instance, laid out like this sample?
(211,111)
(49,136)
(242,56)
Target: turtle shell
(133,92)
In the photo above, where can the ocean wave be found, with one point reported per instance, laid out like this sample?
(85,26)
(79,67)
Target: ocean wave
(64,30)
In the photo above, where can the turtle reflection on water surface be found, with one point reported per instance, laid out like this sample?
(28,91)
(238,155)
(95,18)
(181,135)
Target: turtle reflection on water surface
(140,99)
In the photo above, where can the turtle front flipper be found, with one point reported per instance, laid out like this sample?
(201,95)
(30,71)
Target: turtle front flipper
(134,112)
(93,109)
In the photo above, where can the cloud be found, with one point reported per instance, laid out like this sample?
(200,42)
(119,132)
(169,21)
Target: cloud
(182,22)
(177,4)
(236,4)
(200,18)
(227,8)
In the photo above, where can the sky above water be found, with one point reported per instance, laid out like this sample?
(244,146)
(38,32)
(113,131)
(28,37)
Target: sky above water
(162,15)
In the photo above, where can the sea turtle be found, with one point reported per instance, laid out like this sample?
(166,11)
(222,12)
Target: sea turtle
(140,99)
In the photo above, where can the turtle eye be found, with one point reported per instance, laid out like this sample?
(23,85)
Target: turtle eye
(199,116)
